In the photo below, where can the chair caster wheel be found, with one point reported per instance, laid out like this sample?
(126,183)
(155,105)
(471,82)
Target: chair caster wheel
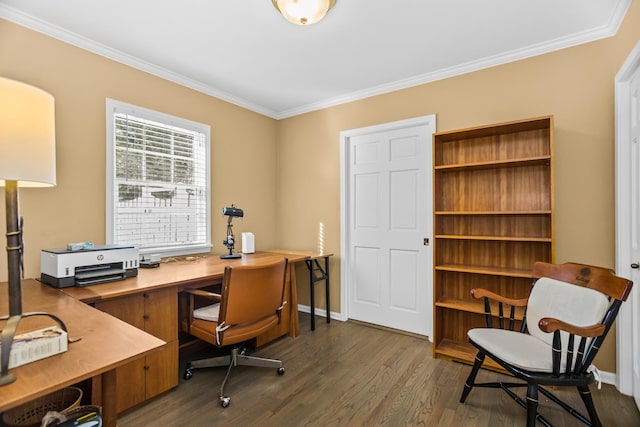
(281,371)
(188,374)
(225,401)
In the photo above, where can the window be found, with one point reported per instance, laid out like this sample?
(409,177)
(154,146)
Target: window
(157,181)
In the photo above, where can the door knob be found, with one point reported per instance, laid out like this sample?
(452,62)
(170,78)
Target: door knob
(635,265)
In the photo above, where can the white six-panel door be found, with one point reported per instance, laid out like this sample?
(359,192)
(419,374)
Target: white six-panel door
(628,221)
(388,217)
(634,299)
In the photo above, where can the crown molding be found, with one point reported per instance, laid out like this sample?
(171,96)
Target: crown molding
(604,31)
(33,23)
(607,30)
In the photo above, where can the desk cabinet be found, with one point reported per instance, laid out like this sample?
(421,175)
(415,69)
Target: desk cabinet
(154,312)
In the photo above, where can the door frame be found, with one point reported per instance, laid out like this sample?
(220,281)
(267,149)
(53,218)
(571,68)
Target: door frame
(626,331)
(345,235)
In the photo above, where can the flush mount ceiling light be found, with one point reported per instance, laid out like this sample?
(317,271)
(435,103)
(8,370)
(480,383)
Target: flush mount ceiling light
(303,12)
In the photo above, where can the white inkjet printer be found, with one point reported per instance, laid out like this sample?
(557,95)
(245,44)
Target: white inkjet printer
(89,265)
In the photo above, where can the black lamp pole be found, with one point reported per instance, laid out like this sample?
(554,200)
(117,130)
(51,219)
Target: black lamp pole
(14,247)
(14,252)
(14,258)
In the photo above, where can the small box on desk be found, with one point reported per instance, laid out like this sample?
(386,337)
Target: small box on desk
(248,243)
(35,345)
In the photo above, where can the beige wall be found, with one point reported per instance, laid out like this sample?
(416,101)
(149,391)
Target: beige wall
(576,85)
(293,182)
(80,81)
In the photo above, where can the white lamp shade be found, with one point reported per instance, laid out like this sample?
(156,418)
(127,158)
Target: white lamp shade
(27,135)
(303,12)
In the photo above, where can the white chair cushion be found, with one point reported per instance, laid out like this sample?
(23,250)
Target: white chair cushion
(521,350)
(209,313)
(573,304)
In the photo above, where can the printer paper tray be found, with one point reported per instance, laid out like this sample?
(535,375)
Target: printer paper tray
(93,277)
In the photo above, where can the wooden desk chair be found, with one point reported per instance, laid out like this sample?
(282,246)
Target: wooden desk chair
(250,304)
(568,315)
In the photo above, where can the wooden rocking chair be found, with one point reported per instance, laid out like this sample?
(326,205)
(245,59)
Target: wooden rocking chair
(568,315)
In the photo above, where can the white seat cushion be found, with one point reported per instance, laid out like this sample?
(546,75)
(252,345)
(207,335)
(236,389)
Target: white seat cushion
(573,304)
(521,350)
(209,313)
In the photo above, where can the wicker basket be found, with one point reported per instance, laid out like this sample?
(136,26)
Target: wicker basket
(31,413)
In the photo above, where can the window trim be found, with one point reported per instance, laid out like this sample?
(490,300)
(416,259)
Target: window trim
(114,106)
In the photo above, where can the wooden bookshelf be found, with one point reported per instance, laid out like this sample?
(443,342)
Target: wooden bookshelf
(494,215)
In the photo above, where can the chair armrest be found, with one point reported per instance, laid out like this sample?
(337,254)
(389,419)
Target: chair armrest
(489,313)
(205,294)
(549,324)
(482,293)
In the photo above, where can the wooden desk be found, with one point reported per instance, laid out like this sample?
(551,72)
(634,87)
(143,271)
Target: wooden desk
(150,302)
(106,344)
(181,274)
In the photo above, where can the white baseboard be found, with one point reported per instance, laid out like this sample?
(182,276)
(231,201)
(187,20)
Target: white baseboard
(608,377)
(319,312)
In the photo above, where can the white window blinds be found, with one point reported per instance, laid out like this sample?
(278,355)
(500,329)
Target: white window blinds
(159,176)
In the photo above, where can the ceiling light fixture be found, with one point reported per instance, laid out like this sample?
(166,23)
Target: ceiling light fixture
(303,12)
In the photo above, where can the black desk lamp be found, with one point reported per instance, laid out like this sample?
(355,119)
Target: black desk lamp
(27,159)
(230,241)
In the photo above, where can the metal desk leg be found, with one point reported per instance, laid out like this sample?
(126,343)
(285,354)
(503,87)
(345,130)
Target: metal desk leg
(314,266)
(327,287)
(312,294)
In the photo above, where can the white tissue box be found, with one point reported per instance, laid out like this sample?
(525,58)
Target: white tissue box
(36,345)
(248,243)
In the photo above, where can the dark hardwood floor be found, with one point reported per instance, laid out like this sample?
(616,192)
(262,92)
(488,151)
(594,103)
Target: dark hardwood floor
(348,374)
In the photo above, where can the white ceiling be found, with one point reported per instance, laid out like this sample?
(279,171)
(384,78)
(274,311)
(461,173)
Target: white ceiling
(244,52)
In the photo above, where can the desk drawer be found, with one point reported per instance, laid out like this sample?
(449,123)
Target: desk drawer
(154,312)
